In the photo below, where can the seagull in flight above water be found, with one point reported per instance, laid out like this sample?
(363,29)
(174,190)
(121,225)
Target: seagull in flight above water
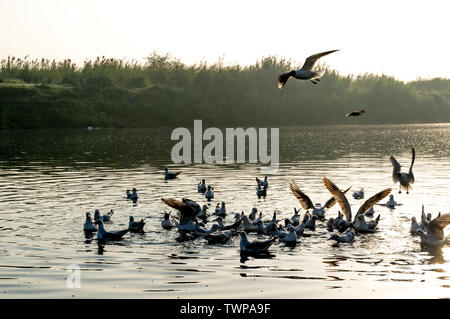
(405,179)
(306,72)
(355,113)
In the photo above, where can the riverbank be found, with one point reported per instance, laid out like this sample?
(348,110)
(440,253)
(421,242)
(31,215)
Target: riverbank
(166,92)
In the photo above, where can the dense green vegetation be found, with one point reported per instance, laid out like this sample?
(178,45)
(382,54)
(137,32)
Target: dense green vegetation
(165,92)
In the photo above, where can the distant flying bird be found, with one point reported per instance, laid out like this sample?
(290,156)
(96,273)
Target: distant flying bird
(405,179)
(355,113)
(306,72)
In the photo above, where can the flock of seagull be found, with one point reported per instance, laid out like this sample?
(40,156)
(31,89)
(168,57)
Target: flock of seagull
(193,221)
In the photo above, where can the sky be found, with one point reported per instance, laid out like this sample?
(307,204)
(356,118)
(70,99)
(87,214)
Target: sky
(404,39)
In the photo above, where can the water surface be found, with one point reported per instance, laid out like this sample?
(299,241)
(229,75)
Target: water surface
(49,179)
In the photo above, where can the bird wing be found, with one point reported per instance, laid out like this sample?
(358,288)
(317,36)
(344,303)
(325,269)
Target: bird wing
(304,200)
(283,78)
(339,197)
(331,202)
(396,169)
(372,201)
(412,163)
(310,61)
(185,208)
(437,225)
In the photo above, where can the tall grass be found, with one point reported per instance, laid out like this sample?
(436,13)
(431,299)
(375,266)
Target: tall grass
(163,91)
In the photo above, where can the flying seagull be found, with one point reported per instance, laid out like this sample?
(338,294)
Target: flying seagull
(355,113)
(405,179)
(306,72)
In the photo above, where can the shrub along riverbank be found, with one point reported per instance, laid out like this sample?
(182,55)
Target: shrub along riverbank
(165,92)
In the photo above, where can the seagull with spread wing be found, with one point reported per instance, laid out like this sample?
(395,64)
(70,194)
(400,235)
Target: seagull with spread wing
(359,222)
(434,234)
(306,72)
(405,179)
(188,212)
(317,210)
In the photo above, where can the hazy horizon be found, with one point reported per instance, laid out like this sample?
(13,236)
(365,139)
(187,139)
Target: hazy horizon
(405,40)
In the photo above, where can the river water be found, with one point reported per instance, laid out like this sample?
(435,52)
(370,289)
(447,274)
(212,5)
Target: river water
(50,178)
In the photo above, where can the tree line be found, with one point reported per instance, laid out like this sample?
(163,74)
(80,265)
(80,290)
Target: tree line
(164,92)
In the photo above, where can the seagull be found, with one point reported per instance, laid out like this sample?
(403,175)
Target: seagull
(306,72)
(291,238)
(201,187)
(295,219)
(234,226)
(104,218)
(220,211)
(249,226)
(405,179)
(261,192)
(264,183)
(88,225)
(202,214)
(311,222)
(254,246)
(266,229)
(359,195)
(415,226)
(434,234)
(344,204)
(369,213)
(300,229)
(346,237)
(168,175)
(330,224)
(361,226)
(355,113)
(306,202)
(133,196)
(136,227)
(209,193)
(203,232)
(252,215)
(167,223)
(102,234)
(391,203)
(220,237)
(188,211)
